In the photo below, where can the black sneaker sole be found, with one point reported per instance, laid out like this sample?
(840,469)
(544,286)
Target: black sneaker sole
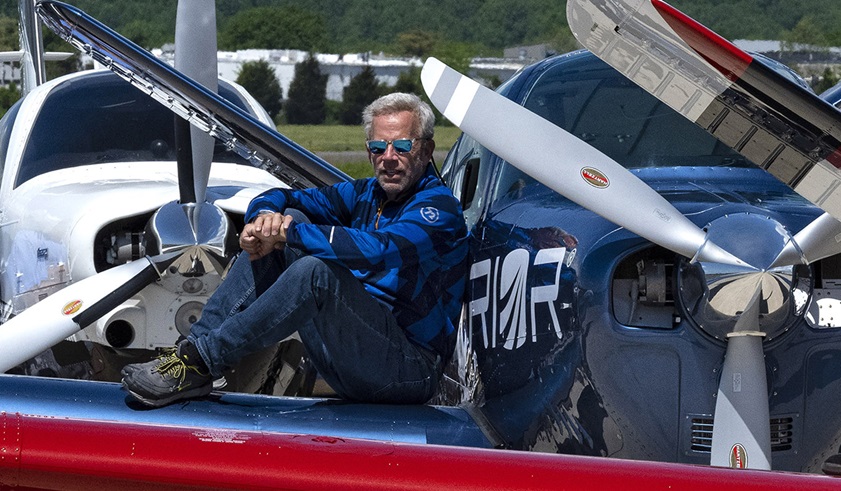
(187,394)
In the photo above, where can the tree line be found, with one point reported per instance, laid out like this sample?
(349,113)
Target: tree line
(306,102)
(483,26)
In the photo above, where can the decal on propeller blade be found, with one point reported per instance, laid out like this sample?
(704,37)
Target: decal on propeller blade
(595,177)
(72,307)
(738,457)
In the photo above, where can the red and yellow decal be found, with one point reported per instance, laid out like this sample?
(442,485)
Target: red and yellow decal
(595,177)
(72,307)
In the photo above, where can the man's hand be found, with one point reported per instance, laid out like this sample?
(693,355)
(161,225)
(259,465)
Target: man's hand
(264,234)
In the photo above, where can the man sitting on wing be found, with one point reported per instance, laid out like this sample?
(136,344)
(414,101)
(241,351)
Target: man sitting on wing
(370,273)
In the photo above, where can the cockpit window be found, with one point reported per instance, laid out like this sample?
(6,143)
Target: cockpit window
(592,101)
(102,119)
(622,120)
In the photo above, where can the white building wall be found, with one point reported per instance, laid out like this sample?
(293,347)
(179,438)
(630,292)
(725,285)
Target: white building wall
(340,69)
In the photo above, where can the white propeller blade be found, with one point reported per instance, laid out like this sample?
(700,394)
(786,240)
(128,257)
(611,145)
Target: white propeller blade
(565,163)
(63,313)
(195,56)
(818,240)
(741,427)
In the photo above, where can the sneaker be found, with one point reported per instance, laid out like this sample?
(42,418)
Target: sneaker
(181,375)
(164,354)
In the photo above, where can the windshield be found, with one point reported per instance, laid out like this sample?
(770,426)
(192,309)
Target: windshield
(599,106)
(102,119)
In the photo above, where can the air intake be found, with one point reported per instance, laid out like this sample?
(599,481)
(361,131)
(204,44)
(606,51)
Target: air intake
(702,434)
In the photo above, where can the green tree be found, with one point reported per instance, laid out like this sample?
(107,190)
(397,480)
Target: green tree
(416,43)
(258,78)
(361,91)
(826,81)
(9,38)
(563,41)
(806,31)
(8,96)
(455,54)
(148,33)
(307,94)
(274,28)
(409,82)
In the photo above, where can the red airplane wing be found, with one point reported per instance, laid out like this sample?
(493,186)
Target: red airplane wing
(77,454)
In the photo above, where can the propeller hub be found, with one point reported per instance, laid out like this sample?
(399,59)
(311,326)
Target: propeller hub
(202,232)
(715,295)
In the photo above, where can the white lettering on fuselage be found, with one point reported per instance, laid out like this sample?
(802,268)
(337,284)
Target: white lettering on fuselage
(507,308)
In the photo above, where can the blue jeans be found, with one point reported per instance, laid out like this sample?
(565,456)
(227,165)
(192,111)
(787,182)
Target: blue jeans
(352,339)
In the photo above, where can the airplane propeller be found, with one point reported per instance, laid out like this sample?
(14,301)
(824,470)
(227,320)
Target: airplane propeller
(690,68)
(739,289)
(185,238)
(195,56)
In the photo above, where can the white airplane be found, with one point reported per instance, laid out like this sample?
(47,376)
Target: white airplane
(95,177)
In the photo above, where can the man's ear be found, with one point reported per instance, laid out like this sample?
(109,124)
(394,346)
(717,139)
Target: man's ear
(430,147)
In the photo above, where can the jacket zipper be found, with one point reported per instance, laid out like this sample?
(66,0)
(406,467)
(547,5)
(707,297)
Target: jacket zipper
(379,214)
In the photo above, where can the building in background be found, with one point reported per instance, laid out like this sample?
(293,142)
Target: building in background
(340,69)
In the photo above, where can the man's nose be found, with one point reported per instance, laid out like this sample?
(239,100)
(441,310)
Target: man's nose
(390,152)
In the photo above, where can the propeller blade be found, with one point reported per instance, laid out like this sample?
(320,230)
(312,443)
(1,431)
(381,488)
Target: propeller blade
(818,240)
(565,163)
(63,313)
(741,427)
(195,56)
(33,70)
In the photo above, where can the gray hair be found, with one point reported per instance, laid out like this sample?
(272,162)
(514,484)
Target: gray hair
(398,102)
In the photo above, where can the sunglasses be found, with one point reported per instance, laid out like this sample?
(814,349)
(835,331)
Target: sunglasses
(403,145)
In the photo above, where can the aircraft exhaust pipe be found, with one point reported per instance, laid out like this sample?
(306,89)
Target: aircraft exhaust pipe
(119,333)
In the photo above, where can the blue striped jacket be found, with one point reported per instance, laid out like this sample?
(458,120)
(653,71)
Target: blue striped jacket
(410,255)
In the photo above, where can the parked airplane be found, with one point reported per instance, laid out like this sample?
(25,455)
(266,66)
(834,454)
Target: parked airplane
(586,332)
(95,176)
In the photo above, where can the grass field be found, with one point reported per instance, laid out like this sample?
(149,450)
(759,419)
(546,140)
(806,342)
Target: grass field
(335,139)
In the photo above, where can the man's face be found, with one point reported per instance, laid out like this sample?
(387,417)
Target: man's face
(395,171)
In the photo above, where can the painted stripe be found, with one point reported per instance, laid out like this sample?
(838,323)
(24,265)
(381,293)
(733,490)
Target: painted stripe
(717,51)
(438,83)
(835,158)
(462,98)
